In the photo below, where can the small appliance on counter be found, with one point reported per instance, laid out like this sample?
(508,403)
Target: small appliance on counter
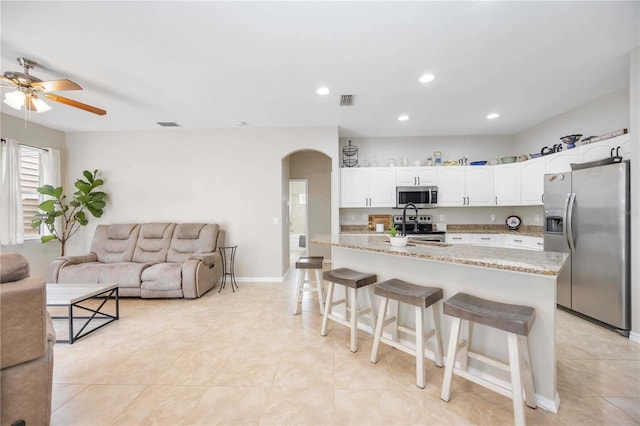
(419,228)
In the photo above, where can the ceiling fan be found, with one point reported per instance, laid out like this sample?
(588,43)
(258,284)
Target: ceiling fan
(28,90)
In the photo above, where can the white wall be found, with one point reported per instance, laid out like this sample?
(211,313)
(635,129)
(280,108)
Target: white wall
(316,168)
(39,255)
(598,117)
(475,148)
(234,177)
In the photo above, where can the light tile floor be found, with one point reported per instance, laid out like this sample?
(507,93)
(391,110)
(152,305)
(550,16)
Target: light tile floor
(243,359)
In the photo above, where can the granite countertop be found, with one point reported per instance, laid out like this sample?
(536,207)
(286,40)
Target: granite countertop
(532,262)
(525,230)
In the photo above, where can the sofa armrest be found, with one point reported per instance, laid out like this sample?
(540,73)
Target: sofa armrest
(200,275)
(53,269)
(23,321)
(209,259)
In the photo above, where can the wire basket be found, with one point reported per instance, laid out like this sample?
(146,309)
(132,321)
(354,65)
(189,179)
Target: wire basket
(350,156)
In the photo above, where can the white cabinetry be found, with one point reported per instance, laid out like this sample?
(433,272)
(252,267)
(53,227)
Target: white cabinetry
(559,162)
(497,240)
(414,176)
(479,185)
(507,184)
(523,242)
(532,181)
(620,145)
(367,187)
(465,186)
(493,240)
(451,186)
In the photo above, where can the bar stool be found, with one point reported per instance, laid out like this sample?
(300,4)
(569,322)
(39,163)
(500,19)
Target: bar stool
(353,280)
(421,297)
(516,320)
(306,264)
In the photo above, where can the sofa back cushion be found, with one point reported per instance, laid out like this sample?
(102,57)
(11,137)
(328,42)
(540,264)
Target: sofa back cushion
(192,238)
(115,243)
(153,242)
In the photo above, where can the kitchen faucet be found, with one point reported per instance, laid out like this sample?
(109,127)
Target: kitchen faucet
(404,218)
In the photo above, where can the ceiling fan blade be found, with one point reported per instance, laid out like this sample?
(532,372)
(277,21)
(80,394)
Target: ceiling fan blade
(75,104)
(7,82)
(56,85)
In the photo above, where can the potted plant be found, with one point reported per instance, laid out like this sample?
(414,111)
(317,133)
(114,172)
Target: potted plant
(397,241)
(73,213)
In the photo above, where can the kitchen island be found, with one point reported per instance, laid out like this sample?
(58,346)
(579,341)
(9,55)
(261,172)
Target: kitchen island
(500,274)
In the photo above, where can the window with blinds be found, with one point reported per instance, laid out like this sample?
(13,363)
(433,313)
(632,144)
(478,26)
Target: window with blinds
(29,182)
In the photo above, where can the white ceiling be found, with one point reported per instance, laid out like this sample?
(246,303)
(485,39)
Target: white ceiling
(215,64)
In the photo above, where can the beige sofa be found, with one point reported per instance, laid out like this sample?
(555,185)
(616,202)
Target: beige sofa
(27,337)
(149,260)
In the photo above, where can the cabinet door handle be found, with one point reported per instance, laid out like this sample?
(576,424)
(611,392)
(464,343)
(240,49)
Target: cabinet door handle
(611,153)
(418,178)
(456,238)
(618,152)
(496,199)
(518,241)
(485,238)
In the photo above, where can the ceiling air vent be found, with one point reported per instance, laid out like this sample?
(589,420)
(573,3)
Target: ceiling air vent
(168,124)
(347,100)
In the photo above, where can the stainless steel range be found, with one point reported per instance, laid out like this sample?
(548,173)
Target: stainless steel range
(419,228)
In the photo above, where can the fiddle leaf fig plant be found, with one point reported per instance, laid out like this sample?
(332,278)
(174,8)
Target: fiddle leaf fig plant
(72,213)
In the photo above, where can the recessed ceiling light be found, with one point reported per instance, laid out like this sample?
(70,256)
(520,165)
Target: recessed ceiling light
(427,78)
(403,118)
(493,115)
(322,91)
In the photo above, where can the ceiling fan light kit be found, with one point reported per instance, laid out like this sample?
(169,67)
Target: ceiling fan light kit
(27,88)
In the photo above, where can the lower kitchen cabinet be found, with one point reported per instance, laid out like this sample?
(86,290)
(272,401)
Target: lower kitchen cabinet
(524,242)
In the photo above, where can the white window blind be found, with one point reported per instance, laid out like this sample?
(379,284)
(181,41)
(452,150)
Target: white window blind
(29,182)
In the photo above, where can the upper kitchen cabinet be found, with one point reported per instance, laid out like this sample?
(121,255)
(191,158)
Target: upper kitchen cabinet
(465,186)
(451,186)
(618,146)
(532,182)
(416,176)
(479,185)
(560,161)
(367,187)
(507,184)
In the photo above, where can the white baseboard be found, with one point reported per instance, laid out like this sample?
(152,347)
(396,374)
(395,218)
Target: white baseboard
(634,337)
(259,279)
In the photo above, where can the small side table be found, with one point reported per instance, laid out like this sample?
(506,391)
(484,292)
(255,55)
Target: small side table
(228,254)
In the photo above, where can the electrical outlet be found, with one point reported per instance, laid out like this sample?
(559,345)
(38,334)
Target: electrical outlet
(493,218)
(441,217)
(352,217)
(275,220)
(537,218)
(365,217)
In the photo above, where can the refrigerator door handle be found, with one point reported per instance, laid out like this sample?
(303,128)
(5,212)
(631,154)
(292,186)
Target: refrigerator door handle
(571,201)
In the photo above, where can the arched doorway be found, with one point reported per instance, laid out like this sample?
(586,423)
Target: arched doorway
(314,168)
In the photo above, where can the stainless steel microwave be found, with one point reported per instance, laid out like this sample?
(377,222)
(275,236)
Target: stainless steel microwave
(424,197)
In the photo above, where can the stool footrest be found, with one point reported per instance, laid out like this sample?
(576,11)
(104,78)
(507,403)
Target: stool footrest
(489,361)
(482,382)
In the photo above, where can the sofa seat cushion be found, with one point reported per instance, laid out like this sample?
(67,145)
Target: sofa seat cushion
(125,274)
(162,277)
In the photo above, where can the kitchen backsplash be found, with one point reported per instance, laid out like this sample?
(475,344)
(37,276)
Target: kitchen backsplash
(530,215)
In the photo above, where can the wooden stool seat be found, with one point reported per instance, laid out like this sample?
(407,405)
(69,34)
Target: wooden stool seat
(309,262)
(412,294)
(516,321)
(513,318)
(421,297)
(351,280)
(306,264)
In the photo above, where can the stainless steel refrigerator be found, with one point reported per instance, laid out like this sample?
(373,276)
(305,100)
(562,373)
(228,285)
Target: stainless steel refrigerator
(587,214)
